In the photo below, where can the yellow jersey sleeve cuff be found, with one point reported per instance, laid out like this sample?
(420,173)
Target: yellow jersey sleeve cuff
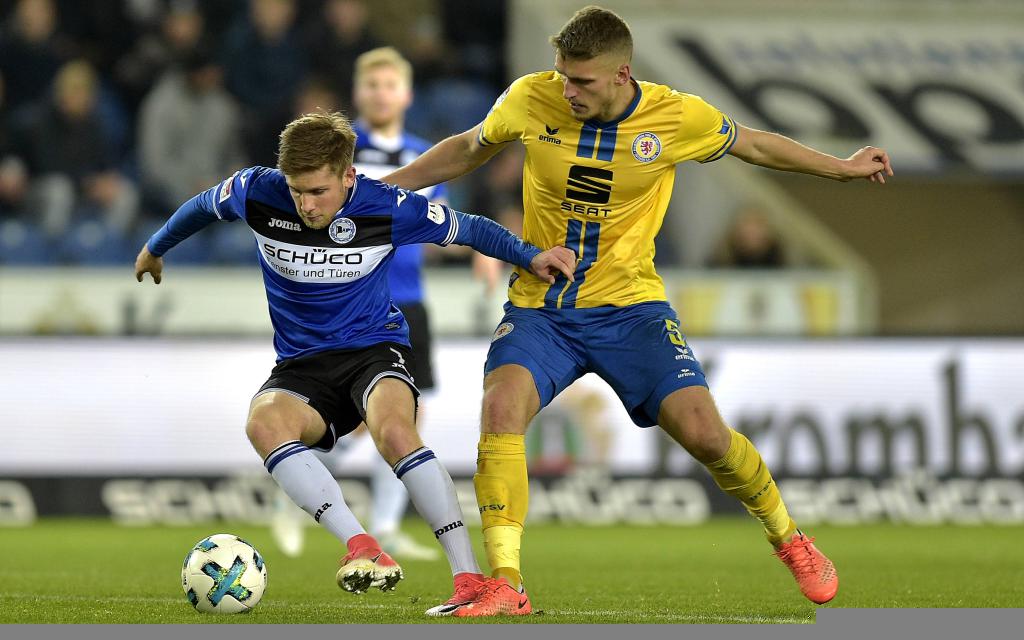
(729,128)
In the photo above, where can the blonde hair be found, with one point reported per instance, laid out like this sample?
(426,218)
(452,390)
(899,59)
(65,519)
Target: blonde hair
(593,31)
(314,140)
(382,57)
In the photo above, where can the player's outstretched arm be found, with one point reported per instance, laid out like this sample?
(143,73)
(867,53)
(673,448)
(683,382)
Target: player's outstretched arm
(446,160)
(492,239)
(776,151)
(190,217)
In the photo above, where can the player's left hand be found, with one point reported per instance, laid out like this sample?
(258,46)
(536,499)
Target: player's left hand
(146,262)
(871,163)
(547,264)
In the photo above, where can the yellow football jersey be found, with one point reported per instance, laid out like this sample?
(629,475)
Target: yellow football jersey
(601,188)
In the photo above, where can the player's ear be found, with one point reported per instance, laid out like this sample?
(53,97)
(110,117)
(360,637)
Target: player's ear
(623,74)
(349,177)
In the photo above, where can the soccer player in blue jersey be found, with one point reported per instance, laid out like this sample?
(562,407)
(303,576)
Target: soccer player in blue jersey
(325,237)
(382,93)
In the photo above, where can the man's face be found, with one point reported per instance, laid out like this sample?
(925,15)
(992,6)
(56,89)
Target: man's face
(319,194)
(591,86)
(382,95)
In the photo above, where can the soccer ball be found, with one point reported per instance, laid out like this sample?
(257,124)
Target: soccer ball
(224,574)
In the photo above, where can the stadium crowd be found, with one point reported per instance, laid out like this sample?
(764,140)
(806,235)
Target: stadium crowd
(113,112)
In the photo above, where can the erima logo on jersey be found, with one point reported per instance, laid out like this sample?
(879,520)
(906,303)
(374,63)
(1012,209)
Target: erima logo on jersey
(284,224)
(551,132)
(342,230)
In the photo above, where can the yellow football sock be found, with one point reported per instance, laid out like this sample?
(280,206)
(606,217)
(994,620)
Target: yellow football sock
(743,474)
(502,493)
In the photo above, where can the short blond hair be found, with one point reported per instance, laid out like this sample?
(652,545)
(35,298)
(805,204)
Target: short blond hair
(593,31)
(315,140)
(382,57)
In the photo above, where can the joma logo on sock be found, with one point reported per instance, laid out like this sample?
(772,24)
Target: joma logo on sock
(320,511)
(448,527)
(492,507)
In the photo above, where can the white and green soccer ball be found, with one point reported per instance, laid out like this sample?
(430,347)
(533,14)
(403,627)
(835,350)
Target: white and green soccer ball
(224,574)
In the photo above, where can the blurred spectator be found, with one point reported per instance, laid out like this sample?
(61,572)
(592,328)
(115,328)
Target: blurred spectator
(189,132)
(264,66)
(70,159)
(263,56)
(103,30)
(180,31)
(336,41)
(751,242)
(31,51)
(315,94)
(13,177)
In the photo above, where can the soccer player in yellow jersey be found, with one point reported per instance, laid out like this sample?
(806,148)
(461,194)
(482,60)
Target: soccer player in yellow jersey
(601,149)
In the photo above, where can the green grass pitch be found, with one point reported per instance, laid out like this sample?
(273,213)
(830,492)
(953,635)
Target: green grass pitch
(91,571)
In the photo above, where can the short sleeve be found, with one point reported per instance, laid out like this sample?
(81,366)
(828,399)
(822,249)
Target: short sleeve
(416,220)
(229,196)
(705,134)
(506,120)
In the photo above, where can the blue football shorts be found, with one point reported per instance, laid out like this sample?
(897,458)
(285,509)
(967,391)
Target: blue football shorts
(639,350)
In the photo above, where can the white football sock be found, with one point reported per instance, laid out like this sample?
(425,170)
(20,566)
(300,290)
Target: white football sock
(311,486)
(433,494)
(389,499)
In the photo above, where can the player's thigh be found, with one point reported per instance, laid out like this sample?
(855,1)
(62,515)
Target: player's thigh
(530,348)
(320,381)
(690,417)
(641,352)
(276,417)
(385,395)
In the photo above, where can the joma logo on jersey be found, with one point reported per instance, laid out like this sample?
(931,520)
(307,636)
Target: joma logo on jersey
(590,185)
(284,224)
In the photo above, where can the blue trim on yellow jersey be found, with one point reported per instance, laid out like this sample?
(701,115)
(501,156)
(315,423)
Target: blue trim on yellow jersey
(588,254)
(606,148)
(730,126)
(573,240)
(588,135)
(481,139)
(608,130)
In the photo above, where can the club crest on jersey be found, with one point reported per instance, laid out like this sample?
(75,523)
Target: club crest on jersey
(503,330)
(342,230)
(646,147)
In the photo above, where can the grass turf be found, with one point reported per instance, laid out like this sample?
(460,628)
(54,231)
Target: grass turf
(91,571)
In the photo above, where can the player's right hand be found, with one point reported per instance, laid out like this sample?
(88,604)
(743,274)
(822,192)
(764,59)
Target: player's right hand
(146,262)
(547,264)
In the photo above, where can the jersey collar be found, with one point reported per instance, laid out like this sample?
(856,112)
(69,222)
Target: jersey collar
(625,114)
(350,198)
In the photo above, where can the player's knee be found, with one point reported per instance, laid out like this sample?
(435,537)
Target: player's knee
(395,438)
(503,412)
(267,428)
(701,431)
